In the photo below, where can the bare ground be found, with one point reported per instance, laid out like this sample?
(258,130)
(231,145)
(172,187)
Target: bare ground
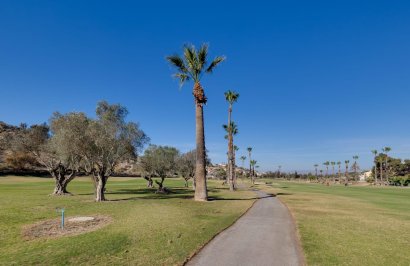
(52,228)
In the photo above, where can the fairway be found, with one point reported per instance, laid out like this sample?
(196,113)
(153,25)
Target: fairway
(147,228)
(349,225)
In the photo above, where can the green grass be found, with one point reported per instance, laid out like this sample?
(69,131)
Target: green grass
(349,225)
(147,228)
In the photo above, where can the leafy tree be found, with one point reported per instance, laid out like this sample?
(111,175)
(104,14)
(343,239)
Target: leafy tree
(161,161)
(109,139)
(192,66)
(56,147)
(186,165)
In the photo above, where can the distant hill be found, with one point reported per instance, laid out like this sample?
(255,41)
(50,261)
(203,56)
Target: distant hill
(6,133)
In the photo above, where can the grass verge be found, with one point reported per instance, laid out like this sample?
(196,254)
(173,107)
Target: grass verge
(147,228)
(349,225)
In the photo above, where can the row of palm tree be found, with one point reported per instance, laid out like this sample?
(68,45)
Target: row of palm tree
(355,168)
(382,159)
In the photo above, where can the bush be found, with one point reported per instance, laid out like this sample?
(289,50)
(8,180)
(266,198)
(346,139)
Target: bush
(400,181)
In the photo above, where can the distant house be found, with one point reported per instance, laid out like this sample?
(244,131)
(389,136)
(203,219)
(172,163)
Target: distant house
(365,175)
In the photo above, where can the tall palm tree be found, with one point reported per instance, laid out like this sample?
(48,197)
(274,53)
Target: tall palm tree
(231,130)
(253,163)
(355,166)
(375,166)
(386,150)
(235,149)
(316,166)
(279,169)
(243,158)
(231,97)
(380,159)
(333,170)
(250,159)
(339,172)
(347,172)
(327,168)
(192,66)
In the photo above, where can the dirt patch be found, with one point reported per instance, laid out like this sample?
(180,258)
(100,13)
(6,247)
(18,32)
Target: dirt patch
(73,226)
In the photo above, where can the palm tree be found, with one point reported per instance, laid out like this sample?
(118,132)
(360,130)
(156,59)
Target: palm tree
(192,66)
(250,159)
(243,158)
(380,159)
(231,130)
(253,163)
(347,172)
(279,168)
(339,172)
(235,149)
(327,168)
(316,166)
(386,150)
(355,166)
(375,166)
(231,97)
(333,170)
(321,172)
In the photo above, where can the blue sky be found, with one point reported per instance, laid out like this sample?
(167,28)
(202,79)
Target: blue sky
(318,80)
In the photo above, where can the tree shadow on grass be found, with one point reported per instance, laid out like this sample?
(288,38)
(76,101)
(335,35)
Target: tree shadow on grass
(216,198)
(283,194)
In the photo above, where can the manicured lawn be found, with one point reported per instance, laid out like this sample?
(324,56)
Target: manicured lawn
(147,228)
(349,225)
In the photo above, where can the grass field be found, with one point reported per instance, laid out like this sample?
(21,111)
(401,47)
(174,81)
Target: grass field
(147,228)
(349,225)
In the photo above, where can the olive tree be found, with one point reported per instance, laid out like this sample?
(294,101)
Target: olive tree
(186,165)
(160,161)
(108,140)
(56,146)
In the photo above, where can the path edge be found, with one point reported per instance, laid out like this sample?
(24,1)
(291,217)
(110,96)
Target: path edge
(189,258)
(297,238)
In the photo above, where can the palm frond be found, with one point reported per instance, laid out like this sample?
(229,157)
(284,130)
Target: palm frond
(202,55)
(178,62)
(182,78)
(215,62)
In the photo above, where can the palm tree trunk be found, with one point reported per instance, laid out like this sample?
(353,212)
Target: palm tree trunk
(375,173)
(201,193)
(230,151)
(381,171)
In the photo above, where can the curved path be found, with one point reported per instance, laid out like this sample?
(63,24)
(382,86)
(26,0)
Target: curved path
(265,235)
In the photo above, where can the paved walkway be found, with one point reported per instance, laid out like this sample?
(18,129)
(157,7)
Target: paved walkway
(265,235)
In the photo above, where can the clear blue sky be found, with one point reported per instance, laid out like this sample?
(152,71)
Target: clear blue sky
(318,80)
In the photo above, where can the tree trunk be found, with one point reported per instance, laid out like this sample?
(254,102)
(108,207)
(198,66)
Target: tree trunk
(150,183)
(61,178)
(201,193)
(100,189)
(381,172)
(161,188)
